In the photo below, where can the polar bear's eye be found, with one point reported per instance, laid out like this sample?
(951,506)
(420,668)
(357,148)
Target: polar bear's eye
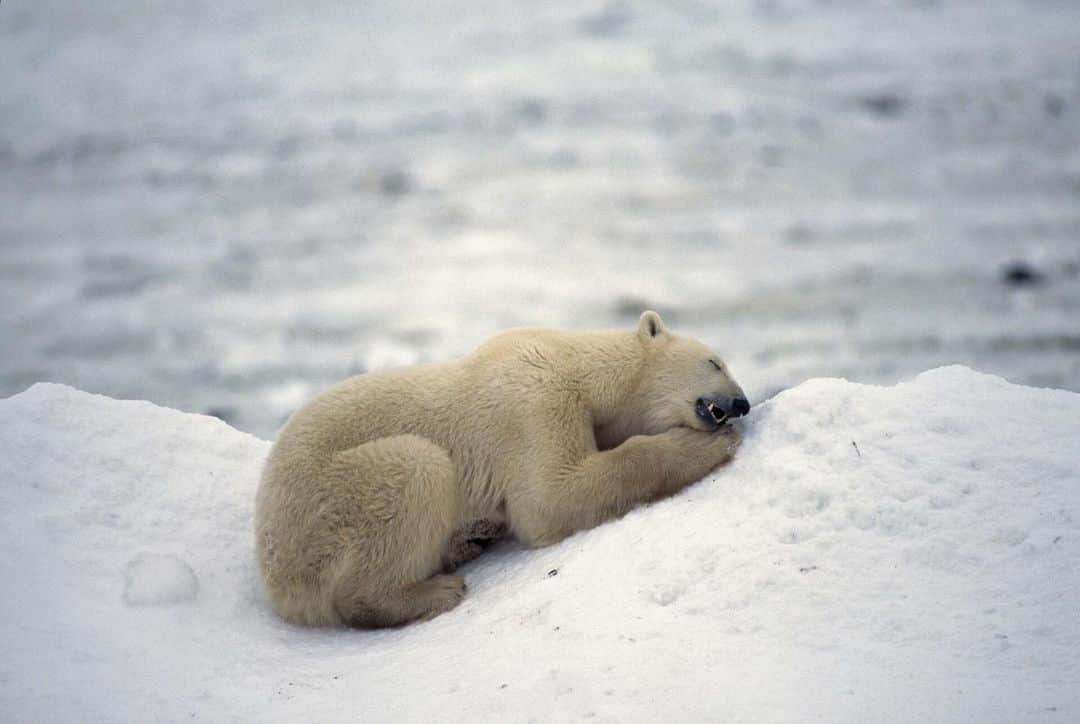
(715,364)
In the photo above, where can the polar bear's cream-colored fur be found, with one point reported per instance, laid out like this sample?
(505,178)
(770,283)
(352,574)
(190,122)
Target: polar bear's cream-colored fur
(540,432)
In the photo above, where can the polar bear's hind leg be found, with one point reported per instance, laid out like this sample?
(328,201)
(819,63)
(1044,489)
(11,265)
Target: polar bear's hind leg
(403,508)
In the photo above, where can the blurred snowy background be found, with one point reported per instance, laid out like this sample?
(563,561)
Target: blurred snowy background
(225,207)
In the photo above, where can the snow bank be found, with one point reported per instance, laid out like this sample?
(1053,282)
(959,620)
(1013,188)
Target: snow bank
(873,554)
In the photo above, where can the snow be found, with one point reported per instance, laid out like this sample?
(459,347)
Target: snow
(906,553)
(156,580)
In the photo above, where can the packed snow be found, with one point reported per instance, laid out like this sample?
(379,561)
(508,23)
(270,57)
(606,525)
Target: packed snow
(907,553)
(158,580)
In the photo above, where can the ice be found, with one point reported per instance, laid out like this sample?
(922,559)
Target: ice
(892,554)
(211,205)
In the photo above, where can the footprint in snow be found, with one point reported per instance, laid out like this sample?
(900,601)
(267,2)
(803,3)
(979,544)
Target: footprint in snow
(151,579)
(665,594)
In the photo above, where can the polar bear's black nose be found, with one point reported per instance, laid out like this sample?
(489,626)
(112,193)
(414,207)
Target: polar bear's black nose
(739,407)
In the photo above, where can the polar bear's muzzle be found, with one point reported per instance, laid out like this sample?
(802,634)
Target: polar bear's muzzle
(715,411)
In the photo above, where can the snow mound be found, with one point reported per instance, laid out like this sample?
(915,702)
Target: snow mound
(909,553)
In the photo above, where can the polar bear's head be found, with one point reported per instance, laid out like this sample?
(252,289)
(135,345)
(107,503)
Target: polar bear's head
(685,383)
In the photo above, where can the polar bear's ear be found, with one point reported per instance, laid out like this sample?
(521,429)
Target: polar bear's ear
(650,326)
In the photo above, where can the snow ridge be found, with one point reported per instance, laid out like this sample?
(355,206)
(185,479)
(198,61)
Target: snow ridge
(909,553)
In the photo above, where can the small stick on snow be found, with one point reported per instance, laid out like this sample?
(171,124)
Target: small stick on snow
(856,448)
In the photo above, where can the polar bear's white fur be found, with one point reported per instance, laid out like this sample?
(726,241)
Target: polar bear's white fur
(377,486)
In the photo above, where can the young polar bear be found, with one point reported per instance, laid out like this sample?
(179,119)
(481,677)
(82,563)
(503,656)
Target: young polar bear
(386,480)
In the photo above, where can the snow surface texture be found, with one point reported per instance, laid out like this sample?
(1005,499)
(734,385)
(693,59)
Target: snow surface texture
(873,554)
(227,206)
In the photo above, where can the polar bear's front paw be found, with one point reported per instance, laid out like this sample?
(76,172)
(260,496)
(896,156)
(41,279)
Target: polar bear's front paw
(726,441)
(697,452)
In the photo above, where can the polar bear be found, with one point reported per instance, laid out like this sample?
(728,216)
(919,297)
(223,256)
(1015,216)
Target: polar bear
(378,487)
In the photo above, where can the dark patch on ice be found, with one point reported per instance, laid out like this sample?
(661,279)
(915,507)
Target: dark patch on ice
(116,287)
(1054,105)
(418,337)
(773,9)
(83,147)
(533,111)
(723,124)
(1020,274)
(631,306)
(553,572)
(809,126)
(346,130)
(20,20)
(754,118)
(314,331)
(287,147)
(667,124)
(799,233)
(114,275)
(426,123)
(103,344)
(884,104)
(235,269)
(157,178)
(771,155)
(612,20)
(395,183)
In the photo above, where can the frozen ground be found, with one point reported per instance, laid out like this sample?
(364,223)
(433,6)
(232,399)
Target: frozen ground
(224,207)
(900,554)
